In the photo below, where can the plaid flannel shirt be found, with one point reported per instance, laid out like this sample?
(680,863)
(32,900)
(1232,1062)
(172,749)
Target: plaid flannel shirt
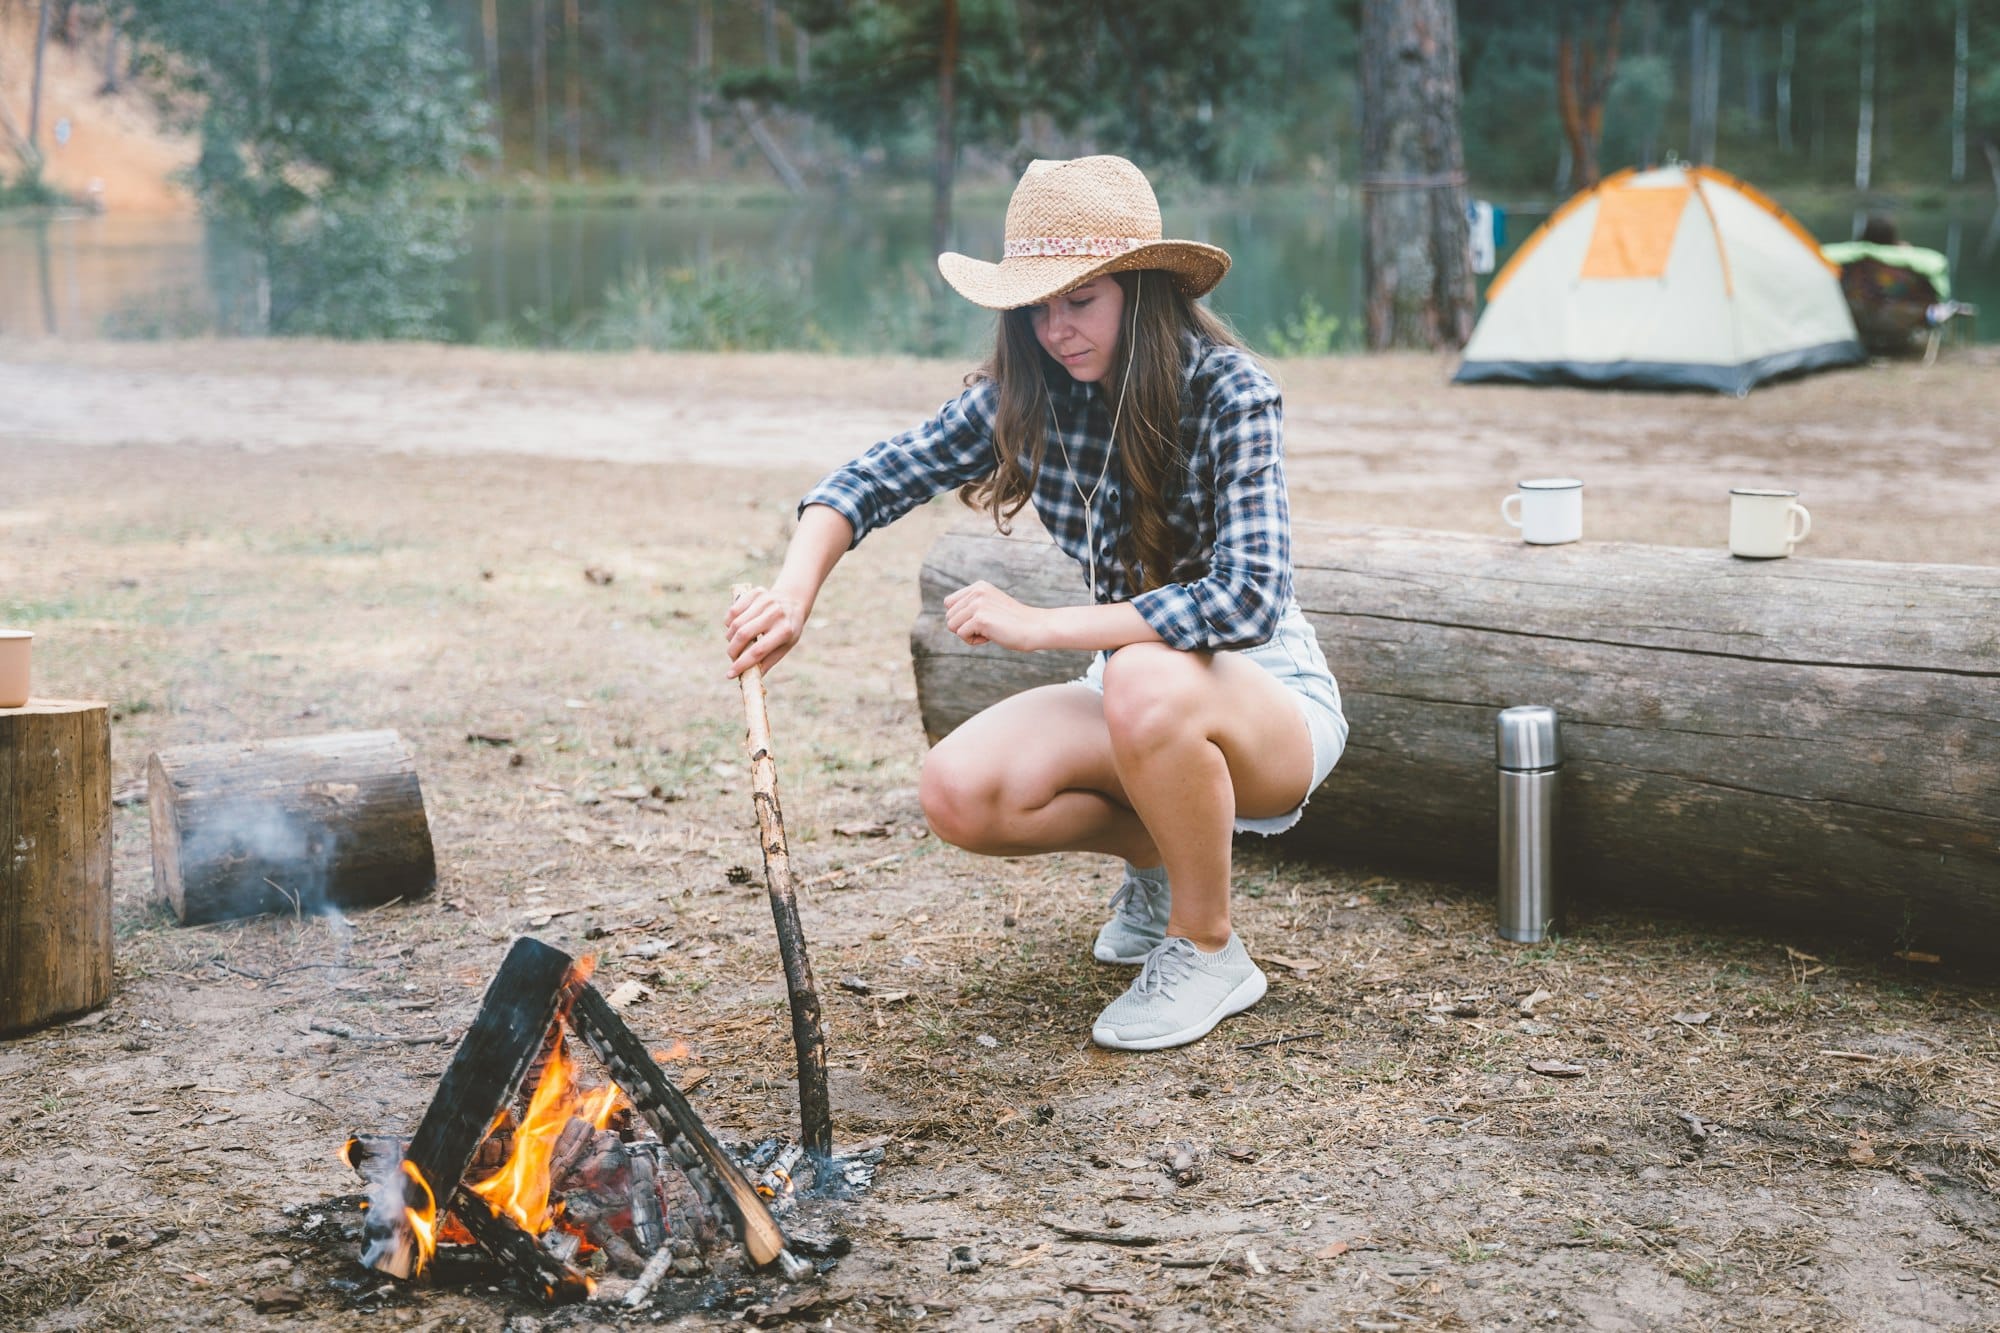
(1233,575)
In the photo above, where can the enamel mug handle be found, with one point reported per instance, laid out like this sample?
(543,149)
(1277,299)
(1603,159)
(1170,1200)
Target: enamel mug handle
(1512,522)
(1804,518)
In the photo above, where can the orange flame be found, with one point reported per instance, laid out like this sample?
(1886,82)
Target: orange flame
(520,1188)
(423,1222)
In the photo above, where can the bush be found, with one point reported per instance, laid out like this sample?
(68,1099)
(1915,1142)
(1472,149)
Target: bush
(29,190)
(723,309)
(1312,331)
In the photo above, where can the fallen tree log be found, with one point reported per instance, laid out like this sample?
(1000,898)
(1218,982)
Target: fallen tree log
(55,861)
(1801,742)
(304,824)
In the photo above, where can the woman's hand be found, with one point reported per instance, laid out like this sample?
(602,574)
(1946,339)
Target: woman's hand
(981,613)
(762,626)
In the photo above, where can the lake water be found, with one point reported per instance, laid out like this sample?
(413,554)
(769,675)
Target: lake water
(859,276)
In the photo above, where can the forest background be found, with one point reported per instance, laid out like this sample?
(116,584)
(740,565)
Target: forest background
(343,141)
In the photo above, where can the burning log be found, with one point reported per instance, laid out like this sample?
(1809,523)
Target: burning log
(808,1030)
(521,1005)
(296,825)
(713,1173)
(55,831)
(555,1281)
(569,1180)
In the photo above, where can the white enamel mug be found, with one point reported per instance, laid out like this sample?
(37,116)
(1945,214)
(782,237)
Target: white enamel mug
(1551,510)
(1766,524)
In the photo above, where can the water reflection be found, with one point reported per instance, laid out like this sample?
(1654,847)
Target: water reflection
(848,277)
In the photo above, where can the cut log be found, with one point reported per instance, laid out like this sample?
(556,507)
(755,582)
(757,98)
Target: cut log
(1810,743)
(304,824)
(55,861)
(522,1002)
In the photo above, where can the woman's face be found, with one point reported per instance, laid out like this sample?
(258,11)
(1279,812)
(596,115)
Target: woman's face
(1080,327)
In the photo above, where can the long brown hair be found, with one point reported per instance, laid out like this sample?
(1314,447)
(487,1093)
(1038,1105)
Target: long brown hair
(1158,319)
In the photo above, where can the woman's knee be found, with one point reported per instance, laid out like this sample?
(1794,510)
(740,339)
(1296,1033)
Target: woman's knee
(960,798)
(1152,695)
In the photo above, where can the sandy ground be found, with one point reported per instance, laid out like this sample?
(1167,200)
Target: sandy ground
(228,541)
(1896,463)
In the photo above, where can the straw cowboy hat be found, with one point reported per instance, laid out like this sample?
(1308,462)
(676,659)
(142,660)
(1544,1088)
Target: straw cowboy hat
(1070,221)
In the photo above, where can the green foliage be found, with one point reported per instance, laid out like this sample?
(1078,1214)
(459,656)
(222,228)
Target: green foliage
(1312,331)
(27,189)
(725,309)
(321,121)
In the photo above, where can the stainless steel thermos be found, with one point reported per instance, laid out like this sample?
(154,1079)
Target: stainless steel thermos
(1529,753)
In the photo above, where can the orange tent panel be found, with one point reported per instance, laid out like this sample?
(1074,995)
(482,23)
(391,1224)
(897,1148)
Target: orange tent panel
(1634,232)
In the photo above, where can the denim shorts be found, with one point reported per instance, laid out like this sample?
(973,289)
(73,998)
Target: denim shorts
(1293,656)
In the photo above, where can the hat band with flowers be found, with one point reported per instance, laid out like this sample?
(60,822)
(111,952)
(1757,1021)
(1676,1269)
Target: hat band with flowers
(1100,247)
(1069,222)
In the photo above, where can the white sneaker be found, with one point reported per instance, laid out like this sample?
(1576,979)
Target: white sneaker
(1138,921)
(1179,995)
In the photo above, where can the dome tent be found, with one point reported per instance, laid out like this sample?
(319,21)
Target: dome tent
(1680,277)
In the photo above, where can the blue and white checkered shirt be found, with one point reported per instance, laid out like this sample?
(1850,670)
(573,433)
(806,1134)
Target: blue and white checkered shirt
(1233,574)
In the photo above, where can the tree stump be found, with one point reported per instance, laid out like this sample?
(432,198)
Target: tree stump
(55,861)
(307,824)
(1805,742)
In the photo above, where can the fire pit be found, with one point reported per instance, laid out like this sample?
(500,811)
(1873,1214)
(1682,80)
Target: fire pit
(557,1180)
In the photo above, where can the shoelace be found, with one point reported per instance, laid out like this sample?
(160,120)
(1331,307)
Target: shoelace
(1166,966)
(1123,904)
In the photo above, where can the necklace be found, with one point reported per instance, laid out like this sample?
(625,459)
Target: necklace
(1090,498)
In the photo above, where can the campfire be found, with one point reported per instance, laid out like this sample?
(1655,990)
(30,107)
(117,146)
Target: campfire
(557,1179)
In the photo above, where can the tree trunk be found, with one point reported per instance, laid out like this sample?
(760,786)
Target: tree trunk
(1788,53)
(1584,71)
(1864,129)
(1961,50)
(305,824)
(489,34)
(1753,78)
(538,74)
(573,85)
(945,165)
(1697,81)
(704,65)
(35,94)
(1416,255)
(114,61)
(55,885)
(770,15)
(1711,86)
(1806,742)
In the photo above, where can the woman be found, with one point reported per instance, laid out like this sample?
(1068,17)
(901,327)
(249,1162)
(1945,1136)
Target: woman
(1148,441)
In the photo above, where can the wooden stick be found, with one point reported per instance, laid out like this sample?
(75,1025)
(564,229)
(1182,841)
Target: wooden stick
(808,1031)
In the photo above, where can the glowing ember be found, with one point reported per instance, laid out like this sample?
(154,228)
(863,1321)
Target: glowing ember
(677,1051)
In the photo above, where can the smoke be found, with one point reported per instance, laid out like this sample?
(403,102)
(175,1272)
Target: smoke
(261,856)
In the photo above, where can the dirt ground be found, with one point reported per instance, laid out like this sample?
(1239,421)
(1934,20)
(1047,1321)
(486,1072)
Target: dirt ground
(230,541)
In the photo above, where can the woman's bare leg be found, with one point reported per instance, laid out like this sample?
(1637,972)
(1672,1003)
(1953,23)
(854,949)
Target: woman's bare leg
(1155,771)
(1034,773)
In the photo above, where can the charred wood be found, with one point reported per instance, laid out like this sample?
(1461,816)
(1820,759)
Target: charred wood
(713,1173)
(521,1004)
